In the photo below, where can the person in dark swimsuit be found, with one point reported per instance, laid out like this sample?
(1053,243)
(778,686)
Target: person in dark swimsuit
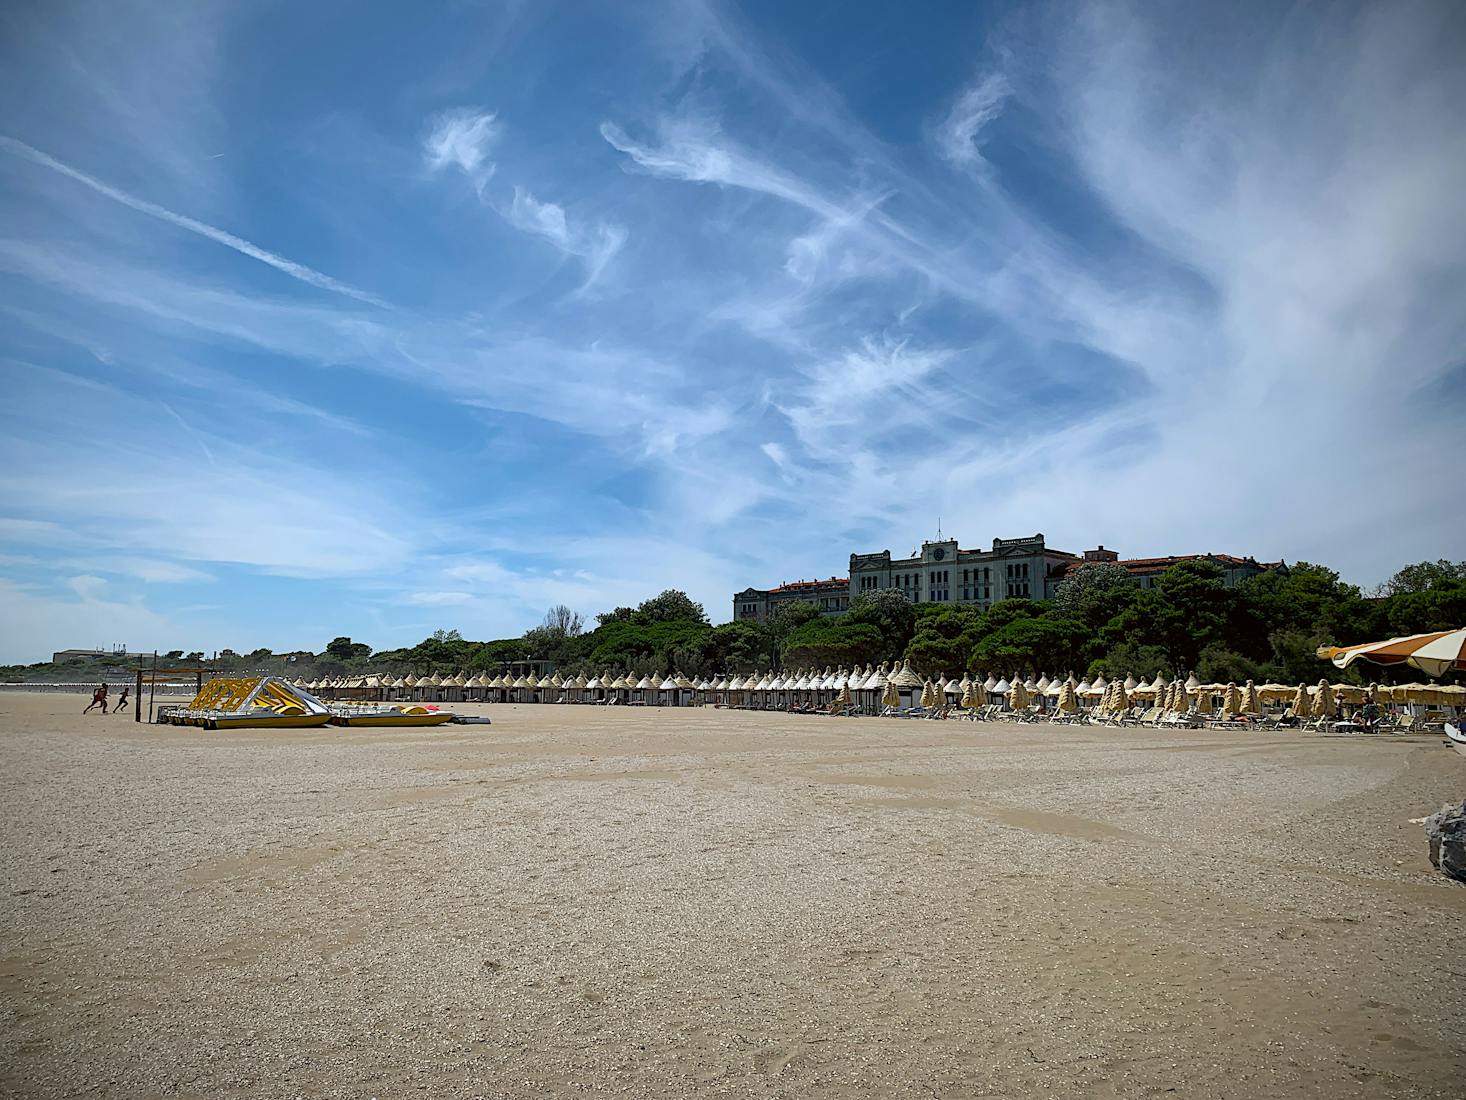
(99,699)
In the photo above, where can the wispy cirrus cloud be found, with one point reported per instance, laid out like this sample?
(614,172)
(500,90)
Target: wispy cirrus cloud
(959,134)
(280,263)
(1162,255)
(463,138)
(595,245)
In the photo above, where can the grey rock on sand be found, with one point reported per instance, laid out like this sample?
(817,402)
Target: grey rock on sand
(1446,829)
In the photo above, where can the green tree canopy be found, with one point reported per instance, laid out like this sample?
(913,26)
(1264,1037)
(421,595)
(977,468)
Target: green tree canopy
(785,619)
(1423,576)
(672,606)
(891,613)
(832,641)
(1030,645)
(1095,593)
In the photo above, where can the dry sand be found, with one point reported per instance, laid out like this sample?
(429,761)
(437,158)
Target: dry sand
(723,904)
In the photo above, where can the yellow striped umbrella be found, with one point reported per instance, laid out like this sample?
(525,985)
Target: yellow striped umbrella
(1434,654)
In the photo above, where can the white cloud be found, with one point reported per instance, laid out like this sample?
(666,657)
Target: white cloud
(959,135)
(117,486)
(290,267)
(462,138)
(150,570)
(437,599)
(596,246)
(87,586)
(545,218)
(36,624)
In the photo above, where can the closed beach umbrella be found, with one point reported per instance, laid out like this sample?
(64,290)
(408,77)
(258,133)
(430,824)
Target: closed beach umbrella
(1251,701)
(1302,705)
(892,696)
(967,703)
(1121,702)
(1323,701)
(1231,701)
(1068,697)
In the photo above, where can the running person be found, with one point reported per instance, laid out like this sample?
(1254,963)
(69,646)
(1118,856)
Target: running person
(99,699)
(121,700)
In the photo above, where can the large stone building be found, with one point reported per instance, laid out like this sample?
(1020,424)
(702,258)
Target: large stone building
(942,572)
(757,604)
(117,654)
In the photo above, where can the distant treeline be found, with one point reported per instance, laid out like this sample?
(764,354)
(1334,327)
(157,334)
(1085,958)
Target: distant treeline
(1265,629)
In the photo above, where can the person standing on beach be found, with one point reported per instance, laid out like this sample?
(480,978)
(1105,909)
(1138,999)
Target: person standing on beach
(99,699)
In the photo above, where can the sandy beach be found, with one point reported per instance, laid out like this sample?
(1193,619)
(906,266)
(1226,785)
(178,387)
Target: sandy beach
(660,903)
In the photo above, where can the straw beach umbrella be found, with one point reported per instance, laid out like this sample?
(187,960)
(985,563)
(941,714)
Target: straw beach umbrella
(1251,699)
(892,696)
(906,680)
(1068,697)
(1302,705)
(1017,695)
(1231,701)
(1323,700)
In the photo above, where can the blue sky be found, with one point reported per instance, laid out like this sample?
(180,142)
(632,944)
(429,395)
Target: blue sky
(319,320)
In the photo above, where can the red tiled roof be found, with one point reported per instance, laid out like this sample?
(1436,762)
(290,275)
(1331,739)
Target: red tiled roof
(1145,565)
(805,586)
